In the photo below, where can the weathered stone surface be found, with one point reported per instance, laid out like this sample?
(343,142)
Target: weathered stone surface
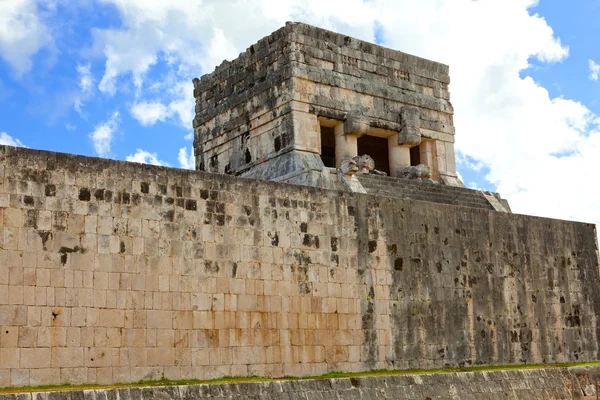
(148,271)
(537,384)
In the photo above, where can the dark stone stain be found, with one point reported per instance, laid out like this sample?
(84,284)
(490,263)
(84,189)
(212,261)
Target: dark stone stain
(64,251)
(44,235)
(275,239)
(50,190)
(178,191)
(145,187)
(84,194)
(31,218)
(234,267)
(214,163)
(108,195)
(220,220)
(204,194)
(334,244)
(304,288)
(99,194)
(248,156)
(179,202)
(211,267)
(169,215)
(372,245)
(122,247)
(303,227)
(392,249)
(168,200)
(399,264)
(438,266)
(311,241)
(191,205)
(126,198)
(28,200)
(277,143)
(162,189)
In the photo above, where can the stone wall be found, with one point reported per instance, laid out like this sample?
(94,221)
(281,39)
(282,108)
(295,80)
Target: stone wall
(257,115)
(536,384)
(115,272)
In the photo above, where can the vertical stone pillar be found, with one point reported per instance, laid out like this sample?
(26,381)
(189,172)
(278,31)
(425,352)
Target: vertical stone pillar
(346,146)
(399,156)
(346,136)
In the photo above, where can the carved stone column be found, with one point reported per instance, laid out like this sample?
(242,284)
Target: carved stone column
(346,136)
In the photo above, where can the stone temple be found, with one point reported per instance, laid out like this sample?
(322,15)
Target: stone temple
(324,229)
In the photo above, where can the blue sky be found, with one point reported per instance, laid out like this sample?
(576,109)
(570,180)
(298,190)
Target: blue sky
(112,78)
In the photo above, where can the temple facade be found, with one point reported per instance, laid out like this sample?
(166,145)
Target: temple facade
(303,99)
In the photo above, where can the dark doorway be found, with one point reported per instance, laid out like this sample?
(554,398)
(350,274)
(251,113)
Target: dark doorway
(377,148)
(328,146)
(415,155)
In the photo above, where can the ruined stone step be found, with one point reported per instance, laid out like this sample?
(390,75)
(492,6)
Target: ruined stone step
(468,199)
(463,203)
(423,187)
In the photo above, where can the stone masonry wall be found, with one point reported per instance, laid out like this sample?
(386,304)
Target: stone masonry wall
(264,104)
(115,272)
(536,384)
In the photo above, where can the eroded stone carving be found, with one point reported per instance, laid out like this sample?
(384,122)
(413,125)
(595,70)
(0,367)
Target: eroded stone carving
(349,167)
(356,124)
(410,132)
(419,172)
(363,164)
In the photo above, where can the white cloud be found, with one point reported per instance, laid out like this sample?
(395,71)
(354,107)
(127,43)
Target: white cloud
(103,133)
(179,109)
(186,159)
(149,113)
(145,157)
(538,150)
(594,70)
(86,85)
(6,139)
(70,127)
(22,33)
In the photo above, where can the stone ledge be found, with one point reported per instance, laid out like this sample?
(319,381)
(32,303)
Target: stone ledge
(539,383)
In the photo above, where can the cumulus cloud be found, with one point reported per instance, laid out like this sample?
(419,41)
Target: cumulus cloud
(534,149)
(186,158)
(8,140)
(145,157)
(594,70)
(178,105)
(22,33)
(148,113)
(103,133)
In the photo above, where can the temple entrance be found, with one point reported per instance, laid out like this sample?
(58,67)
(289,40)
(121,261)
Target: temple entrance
(377,148)
(328,146)
(415,155)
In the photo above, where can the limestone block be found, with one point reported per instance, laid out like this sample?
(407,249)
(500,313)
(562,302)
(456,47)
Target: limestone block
(409,134)
(13,315)
(10,357)
(35,358)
